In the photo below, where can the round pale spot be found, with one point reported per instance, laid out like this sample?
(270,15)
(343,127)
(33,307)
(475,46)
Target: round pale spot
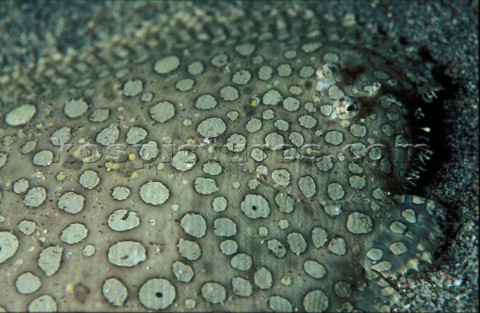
(253,125)
(61,136)
(326,109)
(229,93)
(242,287)
(195,68)
(263,278)
(284,70)
(307,186)
(154,193)
(281,125)
(343,289)
(35,197)
(71,202)
(410,216)
(224,227)
(183,272)
(307,121)
(355,168)
(268,114)
(20,115)
(335,191)
(285,203)
(149,151)
(115,291)
(359,131)
(265,72)
(123,220)
(99,115)
(213,293)
(335,93)
(319,237)
(375,153)
(184,84)
(359,223)
(133,87)
(228,247)
(211,127)
(297,243)
(359,150)
(74,233)
(219,60)
(276,248)
(147,97)
(241,262)
(184,160)
(291,104)
(357,182)
(279,304)
(89,250)
(219,204)
(314,269)
(281,177)
(272,97)
(205,186)
(397,227)
(44,303)
(206,102)
(27,283)
(337,246)
(324,163)
(306,71)
(120,193)
(27,147)
(27,227)
(135,135)
(50,260)
(212,168)
(398,248)
(311,46)
(75,108)
(274,141)
(194,225)
(255,206)
(89,179)
(382,266)
(334,137)
(236,143)
(162,111)
(109,135)
(245,49)
(8,245)
(166,64)
(296,138)
(127,253)
(157,294)
(375,254)
(189,249)
(241,77)
(257,154)
(43,158)
(315,301)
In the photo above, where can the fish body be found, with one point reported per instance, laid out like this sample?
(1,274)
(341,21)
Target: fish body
(222,173)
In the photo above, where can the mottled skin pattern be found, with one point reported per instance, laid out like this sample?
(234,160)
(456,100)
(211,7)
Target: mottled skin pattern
(308,193)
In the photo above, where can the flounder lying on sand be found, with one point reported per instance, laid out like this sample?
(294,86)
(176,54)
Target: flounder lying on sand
(190,169)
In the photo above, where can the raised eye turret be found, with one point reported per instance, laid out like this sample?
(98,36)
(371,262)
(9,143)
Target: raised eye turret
(346,108)
(327,75)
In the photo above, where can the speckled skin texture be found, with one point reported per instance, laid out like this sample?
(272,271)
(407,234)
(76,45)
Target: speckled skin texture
(120,90)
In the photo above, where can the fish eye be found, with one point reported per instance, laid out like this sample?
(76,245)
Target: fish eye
(346,108)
